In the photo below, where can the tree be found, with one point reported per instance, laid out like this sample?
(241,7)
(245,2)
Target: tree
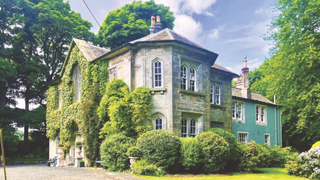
(293,71)
(131,22)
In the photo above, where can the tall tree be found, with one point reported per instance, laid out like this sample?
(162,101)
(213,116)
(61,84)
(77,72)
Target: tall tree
(131,22)
(293,70)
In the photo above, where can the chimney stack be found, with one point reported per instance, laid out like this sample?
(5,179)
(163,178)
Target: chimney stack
(243,81)
(158,26)
(152,28)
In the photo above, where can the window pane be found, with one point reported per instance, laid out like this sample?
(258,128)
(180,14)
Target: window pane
(217,94)
(158,123)
(193,128)
(183,77)
(234,111)
(192,79)
(211,93)
(257,113)
(184,128)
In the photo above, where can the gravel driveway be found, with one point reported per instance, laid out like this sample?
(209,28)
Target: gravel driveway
(43,172)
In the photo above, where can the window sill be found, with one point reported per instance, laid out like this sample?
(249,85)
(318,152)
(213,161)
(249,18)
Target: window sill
(160,89)
(183,91)
(261,123)
(222,107)
(238,121)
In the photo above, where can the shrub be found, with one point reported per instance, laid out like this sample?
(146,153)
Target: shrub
(143,167)
(78,143)
(249,159)
(191,154)
(279,156)
(134,151)
(215,150)
(315,144)
(113,152)
(264,155)
(307,165)
(234,154)
(160,147)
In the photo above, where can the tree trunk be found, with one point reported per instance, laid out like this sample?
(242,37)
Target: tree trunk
(26,126)
(3,90)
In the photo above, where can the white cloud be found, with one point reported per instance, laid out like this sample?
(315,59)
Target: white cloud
(214,34)
(258,11)
(188,27)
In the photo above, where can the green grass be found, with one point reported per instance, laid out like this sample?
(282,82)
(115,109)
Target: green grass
(264,173)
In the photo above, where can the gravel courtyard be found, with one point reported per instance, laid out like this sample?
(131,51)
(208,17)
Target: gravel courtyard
(43,172)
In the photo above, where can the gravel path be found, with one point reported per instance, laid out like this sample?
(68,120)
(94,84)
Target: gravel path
(43,172)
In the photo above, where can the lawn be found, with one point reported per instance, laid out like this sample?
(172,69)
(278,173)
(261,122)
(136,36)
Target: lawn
(264,173)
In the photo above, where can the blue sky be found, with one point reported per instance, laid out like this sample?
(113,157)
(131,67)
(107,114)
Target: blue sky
(231,28)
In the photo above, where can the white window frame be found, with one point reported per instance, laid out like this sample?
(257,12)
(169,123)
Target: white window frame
(268,139)
(246,140)
(188,78)
(158,124)
(190,123)
(235,110)
(261,114)
(215,98)
(157,74)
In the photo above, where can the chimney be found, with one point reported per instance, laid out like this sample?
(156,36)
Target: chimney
(243,81)
(152,27)
(158,26)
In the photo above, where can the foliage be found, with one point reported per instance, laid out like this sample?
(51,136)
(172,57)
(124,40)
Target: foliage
(78,143)
(264,155)
(215,150)
(80,161)
(307,165)
(128,112)
(191,154)
(234,153)
(160,147)
(134,151)
(131,22)
(144,167)
(250,156)
(292,71)
(113,152)
(315,144)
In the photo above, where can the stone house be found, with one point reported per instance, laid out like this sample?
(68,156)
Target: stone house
(190,93)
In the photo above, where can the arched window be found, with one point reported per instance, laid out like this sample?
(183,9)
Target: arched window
(218,94)
(211,93)
(157,74)
(183,76)
(184,128)
(193,128)
(76,76)
(158,123)
(192,79)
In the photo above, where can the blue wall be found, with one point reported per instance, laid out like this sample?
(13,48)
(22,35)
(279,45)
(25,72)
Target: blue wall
(256,132)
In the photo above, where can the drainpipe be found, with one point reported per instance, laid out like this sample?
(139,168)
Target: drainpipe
(280,124)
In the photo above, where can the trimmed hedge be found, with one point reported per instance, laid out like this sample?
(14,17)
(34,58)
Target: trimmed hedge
(113,152)
(160,147)
(215,150)
(191,154)
(143,167)
(234,155)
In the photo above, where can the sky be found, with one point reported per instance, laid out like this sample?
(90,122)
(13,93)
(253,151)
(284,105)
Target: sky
(231,28)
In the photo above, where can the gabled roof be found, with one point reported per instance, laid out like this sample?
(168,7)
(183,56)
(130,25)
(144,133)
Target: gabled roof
(216,66)
(90,51)
(236,92)
(166,34)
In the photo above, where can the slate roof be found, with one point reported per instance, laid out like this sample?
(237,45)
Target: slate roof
(90,51)
(166,34)
(216,66)
(236,92)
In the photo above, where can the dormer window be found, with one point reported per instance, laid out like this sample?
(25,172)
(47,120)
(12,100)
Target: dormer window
(76,76)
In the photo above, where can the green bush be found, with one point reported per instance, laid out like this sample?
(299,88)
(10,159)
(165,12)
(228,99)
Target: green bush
(234,154)
(113,152)
(307,164)
(279,156)
(264,155)
(249,159)
(191,154)
(215,150)
(160,147)
(134,151)
(143,167)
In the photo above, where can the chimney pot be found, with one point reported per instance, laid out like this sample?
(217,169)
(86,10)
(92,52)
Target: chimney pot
(152,21)
(158,19)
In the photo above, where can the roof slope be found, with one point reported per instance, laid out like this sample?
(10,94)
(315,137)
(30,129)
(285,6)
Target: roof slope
(236,92)
(90,51)
(166,34)
(216,66)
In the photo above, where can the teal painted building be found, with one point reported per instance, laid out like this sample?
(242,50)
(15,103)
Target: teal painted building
(254,117)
